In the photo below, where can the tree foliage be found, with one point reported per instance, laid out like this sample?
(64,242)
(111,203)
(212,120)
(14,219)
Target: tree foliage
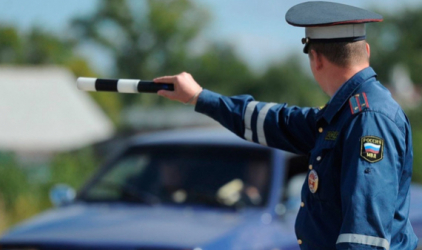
(397,40)
(145,40)
(221,70)
(38,47)
(287,81)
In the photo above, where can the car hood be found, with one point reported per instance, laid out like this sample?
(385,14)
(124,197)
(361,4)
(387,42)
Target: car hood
(93,224)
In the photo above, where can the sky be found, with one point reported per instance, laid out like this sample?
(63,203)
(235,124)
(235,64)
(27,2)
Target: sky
(256,28)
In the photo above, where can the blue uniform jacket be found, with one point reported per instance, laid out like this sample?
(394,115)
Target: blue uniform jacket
(356,195)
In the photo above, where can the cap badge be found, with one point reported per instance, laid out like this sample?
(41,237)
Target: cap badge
(313,181)
(305,40)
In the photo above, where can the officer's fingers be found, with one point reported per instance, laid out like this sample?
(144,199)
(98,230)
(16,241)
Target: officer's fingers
(165,79)
(185,78)
(187,84)
(185,87)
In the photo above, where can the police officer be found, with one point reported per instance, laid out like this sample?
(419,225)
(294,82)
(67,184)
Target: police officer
(356,195)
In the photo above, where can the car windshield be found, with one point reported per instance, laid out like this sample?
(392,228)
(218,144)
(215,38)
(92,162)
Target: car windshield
(187,175)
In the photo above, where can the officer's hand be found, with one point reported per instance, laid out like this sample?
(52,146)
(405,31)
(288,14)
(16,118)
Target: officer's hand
(186,89)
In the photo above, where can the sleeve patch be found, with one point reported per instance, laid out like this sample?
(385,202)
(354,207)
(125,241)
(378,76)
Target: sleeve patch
(371,148)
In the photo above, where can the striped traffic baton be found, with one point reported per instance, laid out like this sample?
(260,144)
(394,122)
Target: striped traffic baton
(121,85)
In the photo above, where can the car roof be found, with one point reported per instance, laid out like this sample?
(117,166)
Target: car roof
(203,136)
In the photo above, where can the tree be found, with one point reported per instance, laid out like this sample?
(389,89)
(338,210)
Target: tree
(221,70)
(394,41)
(38,47)
(145,40)
(287,81)
(11,47)
(397,40)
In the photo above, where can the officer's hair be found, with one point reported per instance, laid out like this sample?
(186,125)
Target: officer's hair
(342,54)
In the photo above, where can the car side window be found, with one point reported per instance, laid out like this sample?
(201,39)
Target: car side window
(216,176)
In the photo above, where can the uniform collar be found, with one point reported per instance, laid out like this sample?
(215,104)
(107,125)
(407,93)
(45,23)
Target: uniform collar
(344,93)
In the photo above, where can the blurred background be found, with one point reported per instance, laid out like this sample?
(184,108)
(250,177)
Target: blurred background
(52,133)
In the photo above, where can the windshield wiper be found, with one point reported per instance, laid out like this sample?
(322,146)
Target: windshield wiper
(130,191)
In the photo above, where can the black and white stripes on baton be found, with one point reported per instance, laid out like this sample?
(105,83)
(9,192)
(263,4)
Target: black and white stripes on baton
(121,85)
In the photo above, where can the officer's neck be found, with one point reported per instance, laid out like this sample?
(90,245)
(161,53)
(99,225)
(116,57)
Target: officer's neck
(335,76)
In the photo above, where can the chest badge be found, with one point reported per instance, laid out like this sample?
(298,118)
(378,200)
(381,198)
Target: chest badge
(313,181)
(371,148)
(331,136)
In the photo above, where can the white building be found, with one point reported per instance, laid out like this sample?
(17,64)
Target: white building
(42,111)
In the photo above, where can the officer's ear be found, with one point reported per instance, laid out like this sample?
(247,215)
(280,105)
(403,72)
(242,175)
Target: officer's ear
(316,59)
(368,50)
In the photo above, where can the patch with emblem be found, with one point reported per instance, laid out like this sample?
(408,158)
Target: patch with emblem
(371,148)
(331,135)
(313,181)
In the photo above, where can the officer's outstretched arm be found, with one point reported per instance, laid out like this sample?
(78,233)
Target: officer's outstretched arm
(373,155)
(276,125)
(269,124)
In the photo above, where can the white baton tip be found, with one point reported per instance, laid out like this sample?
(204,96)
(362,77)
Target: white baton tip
(86,83)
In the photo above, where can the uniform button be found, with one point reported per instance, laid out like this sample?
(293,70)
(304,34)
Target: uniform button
(320,130)
(318,158)
(310,167)
(302,204)
(299,241)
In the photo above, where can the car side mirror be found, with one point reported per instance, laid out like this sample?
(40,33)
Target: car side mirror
(62,194)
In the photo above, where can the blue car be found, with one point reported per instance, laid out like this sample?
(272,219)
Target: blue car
(191,189)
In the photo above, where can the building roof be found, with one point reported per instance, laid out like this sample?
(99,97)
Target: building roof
(41,110)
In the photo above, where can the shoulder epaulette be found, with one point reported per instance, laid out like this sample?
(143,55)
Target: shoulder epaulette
(358,103)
